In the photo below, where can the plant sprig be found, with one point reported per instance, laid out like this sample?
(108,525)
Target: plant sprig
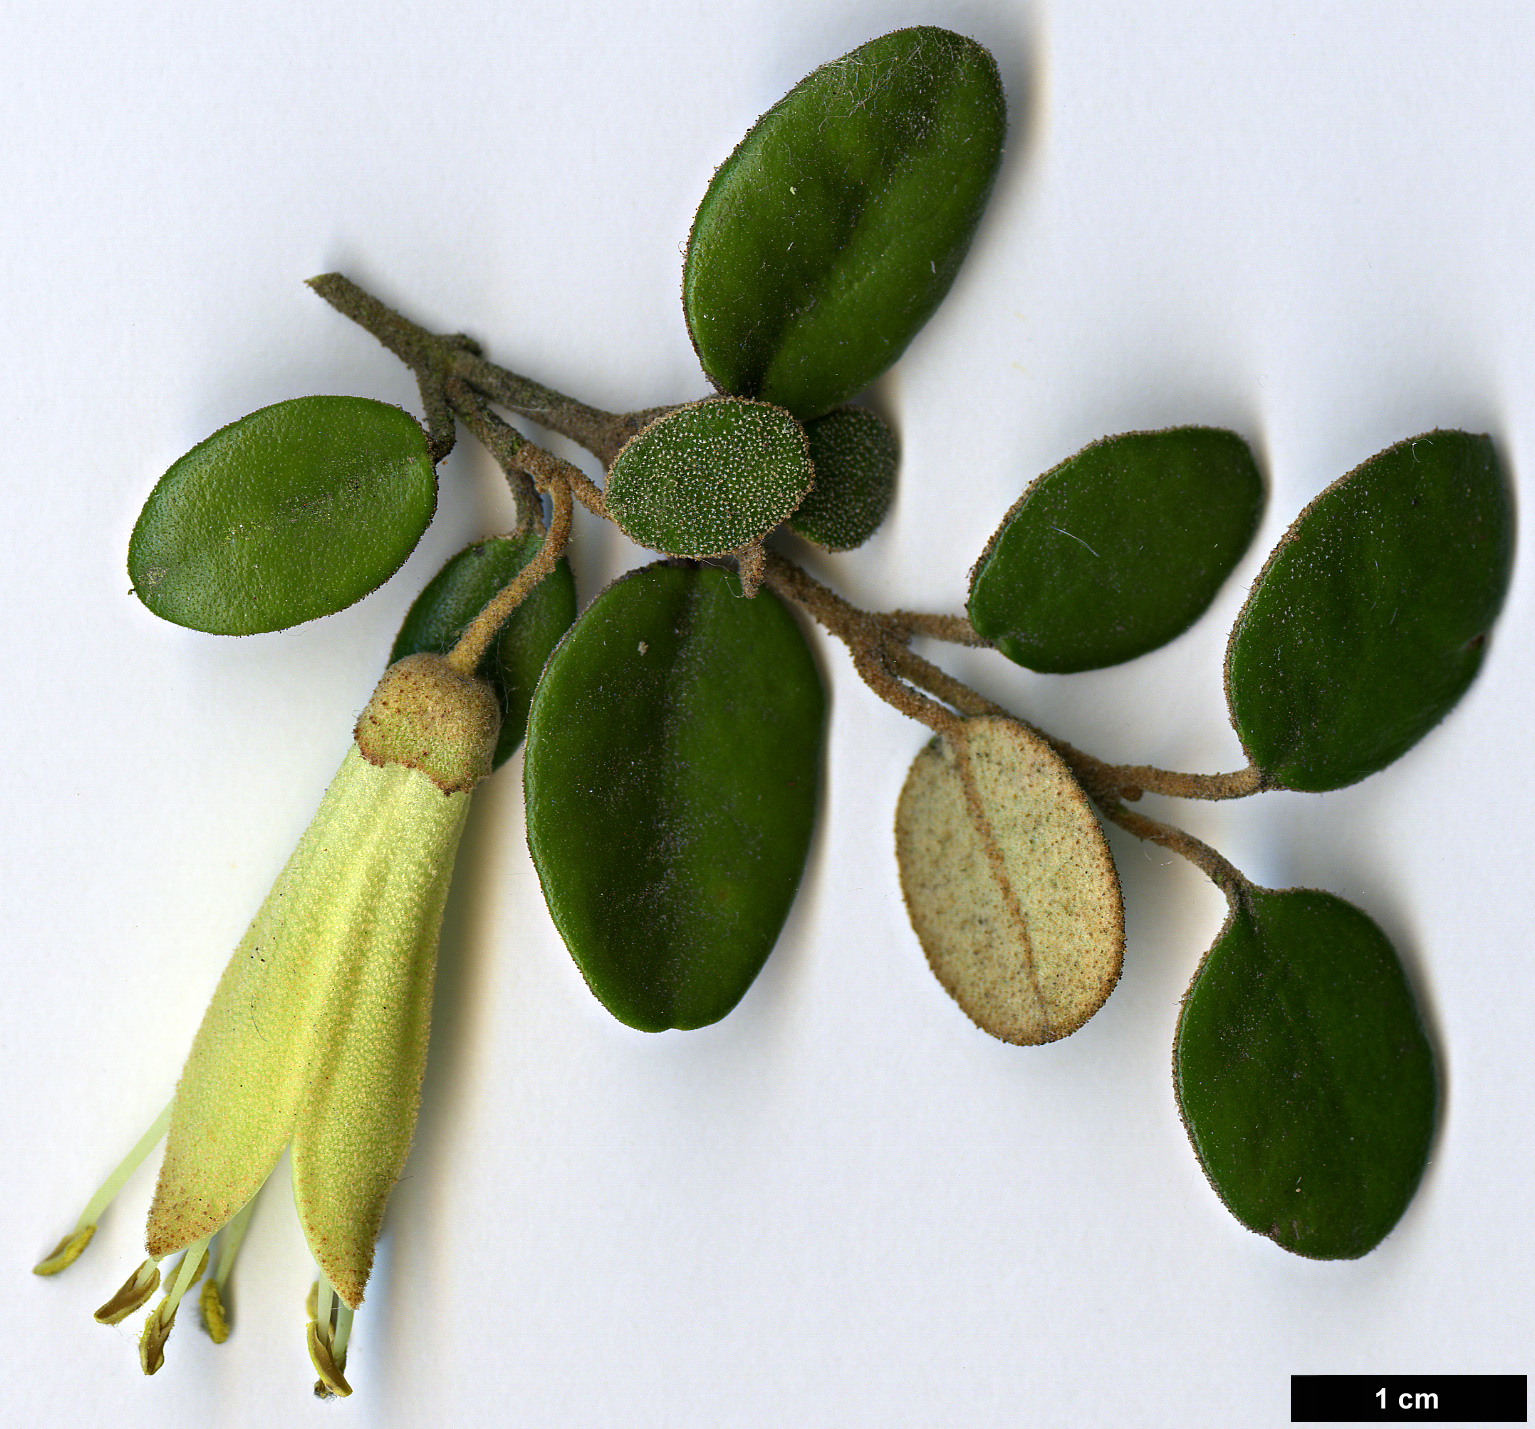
(675,727)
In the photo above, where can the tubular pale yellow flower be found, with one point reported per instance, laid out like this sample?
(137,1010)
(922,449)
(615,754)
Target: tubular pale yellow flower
(317,1033)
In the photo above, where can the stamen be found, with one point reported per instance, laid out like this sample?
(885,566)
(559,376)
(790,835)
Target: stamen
(157,1327)
(68,1249)
(344,1317)
(211,1301)
(330,1325)
(211,1304)
(66,1252)
(136,1289)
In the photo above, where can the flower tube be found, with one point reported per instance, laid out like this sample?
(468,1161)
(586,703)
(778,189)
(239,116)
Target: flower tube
(316,1036)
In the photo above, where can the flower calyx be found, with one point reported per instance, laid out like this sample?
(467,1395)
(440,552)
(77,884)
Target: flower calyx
(427,716)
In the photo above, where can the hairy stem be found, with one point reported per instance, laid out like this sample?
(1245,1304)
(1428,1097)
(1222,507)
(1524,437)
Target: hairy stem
(1136,779)
(545,467)
(866,639)
(1223,874)
(953,628)
(440,430)
(506,444)
(455,380)
(411,343)
(601,433)
(465,656)
(436,360)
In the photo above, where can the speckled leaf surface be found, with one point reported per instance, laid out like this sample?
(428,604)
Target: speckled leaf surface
(1118,549)
(707,479)
(854,455)
(833,231)
(1009,882)
(1304,1075)
(515,659)
(673,759)
(293,512)
(1371,617)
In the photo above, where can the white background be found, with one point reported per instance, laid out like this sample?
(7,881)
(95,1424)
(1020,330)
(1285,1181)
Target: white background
(843,1205)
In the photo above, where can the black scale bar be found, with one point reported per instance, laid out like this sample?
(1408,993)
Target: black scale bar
(1409,1399)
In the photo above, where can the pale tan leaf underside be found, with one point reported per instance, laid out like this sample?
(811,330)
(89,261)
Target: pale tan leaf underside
(1009,883)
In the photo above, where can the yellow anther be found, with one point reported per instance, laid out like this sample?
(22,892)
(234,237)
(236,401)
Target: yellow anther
(331,1383)
(66,1252)
(157,1327)
(136,1289)
(215,1320)
(157,1330)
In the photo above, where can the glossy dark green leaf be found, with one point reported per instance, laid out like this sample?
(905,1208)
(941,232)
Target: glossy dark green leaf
(288,514)
(515,659)
(707,479)
(1303,1073)
(1118,549)
(1371,616)
(834,230)
(854,455)
(673,755)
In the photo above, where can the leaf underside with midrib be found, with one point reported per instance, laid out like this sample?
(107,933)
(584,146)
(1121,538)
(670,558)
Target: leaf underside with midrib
(1008,882)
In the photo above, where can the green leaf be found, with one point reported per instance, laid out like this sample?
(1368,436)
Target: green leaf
(673,755)
(1009,882)
(834,230)
(709,478)
(1371,617)
(1303,1073)
(854,455)
(515,659)
(288,514)
(1118,549)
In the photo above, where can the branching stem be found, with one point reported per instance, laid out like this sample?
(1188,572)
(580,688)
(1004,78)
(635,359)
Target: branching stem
(456,380)
(879,643)
(867,639)
(505,443)
(436,360)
